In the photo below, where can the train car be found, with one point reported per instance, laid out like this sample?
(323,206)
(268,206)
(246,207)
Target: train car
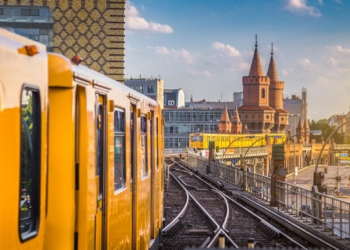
(222,141)
(23,142)
(103,188)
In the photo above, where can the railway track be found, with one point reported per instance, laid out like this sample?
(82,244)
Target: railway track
(189,227)
(236,223)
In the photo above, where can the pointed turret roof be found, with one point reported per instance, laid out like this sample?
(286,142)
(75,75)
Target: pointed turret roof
(235,117)
(300,124)
(255,68)
(224,116)
(272,72)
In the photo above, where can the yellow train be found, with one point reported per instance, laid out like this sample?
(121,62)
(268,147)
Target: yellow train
(222,141)
(81,159)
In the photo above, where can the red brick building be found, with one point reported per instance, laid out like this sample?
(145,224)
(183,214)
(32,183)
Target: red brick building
(262,108)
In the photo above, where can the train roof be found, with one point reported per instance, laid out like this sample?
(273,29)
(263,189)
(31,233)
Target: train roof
(9,39)
(62,65)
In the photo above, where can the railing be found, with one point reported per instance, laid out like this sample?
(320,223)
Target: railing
(341,146)
(327,213)
(170,151)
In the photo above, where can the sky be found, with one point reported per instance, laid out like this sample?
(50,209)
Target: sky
(205,47)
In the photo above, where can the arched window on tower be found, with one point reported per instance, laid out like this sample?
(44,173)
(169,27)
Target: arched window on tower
(262,93)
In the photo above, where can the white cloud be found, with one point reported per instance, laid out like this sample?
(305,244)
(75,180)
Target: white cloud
(333,62)
(243,66)
(143,7)
(304,62)
(180,54)
(231,51)
(284,72)
(320,2)
(134,21)
(338,1)
(301,7)
(162,50)
(338,49)
(194,72)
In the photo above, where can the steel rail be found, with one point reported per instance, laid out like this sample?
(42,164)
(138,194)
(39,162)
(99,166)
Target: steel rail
(256,216)
(292,224)
(173,222)
(203,210)
(265,222)
(215,239)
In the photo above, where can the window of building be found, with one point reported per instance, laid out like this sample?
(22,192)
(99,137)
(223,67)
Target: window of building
(150,88)
(30,163)
(30,12)
(25,12)
(1,11)
(34,12)
(119,149)
(144,158)
(139,88)
(263,93)
(171,103)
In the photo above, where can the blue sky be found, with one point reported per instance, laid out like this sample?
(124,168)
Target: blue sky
(205,46)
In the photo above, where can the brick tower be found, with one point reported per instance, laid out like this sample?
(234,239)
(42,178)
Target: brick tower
(300,130)
(256,112)
(276,97)
(236,123)
(225,124)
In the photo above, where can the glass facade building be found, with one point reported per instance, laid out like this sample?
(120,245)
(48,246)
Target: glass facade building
(34,22)
(181,122)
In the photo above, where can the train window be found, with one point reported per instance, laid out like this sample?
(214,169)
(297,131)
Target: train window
(119,149)
(144,158)
(29,162)
(99,146)
(1,11)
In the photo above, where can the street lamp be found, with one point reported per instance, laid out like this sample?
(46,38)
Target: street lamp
(294,160)
(325,143)
(265,137)
(313,132)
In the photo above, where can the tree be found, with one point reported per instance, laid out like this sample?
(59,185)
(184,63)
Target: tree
(326,131)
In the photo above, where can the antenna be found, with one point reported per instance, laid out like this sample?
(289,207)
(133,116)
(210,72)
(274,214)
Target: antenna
(271,49)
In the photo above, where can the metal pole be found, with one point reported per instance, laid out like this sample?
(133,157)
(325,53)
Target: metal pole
(326,141)
(294,164)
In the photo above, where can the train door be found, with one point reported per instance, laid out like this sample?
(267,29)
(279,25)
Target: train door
(133,171)
(100,217)
(152,174)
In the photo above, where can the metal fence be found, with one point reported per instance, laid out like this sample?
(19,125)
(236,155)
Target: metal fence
(323,211)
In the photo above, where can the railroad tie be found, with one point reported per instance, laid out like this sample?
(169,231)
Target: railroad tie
(174,230)
(267,230)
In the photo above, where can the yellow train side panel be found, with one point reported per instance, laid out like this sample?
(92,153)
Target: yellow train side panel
(18,69)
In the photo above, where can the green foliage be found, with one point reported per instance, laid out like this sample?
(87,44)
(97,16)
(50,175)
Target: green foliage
(326,131)
(26,145)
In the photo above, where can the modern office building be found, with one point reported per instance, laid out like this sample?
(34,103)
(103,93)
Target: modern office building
(151,87)
(92,29)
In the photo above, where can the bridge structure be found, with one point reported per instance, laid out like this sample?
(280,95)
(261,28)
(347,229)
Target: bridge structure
(327,213)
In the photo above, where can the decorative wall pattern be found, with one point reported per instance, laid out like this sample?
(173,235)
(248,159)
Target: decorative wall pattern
(94,29)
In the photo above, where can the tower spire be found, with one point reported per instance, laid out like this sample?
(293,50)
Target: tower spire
(271,49)
(255,68)
(272,71)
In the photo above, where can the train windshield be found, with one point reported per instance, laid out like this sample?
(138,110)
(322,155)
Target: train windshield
(197,138)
